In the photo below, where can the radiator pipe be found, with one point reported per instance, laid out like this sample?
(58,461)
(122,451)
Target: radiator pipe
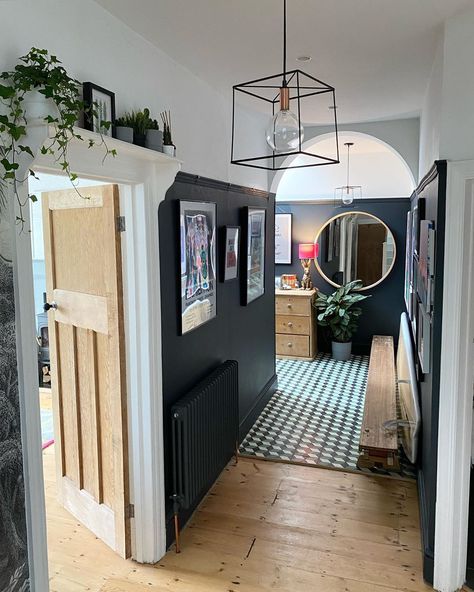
(176,506)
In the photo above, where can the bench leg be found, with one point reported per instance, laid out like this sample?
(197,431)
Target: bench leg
(369,459)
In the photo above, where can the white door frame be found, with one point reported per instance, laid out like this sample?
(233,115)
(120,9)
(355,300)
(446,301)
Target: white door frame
(145,176)
(456,382)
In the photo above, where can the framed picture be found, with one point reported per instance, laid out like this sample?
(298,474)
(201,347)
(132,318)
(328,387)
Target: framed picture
(409,267)
(197,222)
(104,108)
(230,254)
(283,238)
(255,219)
(426,264)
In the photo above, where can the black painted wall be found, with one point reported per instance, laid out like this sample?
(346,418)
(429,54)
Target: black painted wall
(242,333)
(432,190)
(14,573)
(382,311)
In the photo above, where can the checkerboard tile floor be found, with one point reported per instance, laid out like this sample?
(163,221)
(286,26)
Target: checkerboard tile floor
(315,416)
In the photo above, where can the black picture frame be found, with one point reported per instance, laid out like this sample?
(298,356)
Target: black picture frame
(93,92)
(281,259)
(253,263)
(225,252)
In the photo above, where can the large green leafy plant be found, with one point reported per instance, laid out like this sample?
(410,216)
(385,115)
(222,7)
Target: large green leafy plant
(338,313)
(39,71)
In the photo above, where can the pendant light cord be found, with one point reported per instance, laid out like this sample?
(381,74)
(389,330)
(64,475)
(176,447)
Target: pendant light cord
(348,157)
(284,43)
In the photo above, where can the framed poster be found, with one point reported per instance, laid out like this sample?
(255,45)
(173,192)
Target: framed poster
(197,263)
(255,256)
(426,264)
(103,103)
(283,238)
(409,267)
(230,253)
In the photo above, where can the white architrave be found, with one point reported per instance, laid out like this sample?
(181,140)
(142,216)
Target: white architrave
(145,176)
(456,383)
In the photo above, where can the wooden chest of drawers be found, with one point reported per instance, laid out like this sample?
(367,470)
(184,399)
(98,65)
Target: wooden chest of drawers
(295,324)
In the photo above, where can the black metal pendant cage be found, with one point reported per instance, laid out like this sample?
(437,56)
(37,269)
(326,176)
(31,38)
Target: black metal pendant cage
(312,102)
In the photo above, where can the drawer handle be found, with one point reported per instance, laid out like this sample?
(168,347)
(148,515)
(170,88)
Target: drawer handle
(288,305)
(290,345)
(290,324)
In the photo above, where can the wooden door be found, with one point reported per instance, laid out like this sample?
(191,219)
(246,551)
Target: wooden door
(371,238)
(86,335)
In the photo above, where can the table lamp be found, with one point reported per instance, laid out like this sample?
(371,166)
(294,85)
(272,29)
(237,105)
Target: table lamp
(306,252)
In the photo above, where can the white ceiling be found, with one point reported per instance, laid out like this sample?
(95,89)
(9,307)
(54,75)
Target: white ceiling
(377,53)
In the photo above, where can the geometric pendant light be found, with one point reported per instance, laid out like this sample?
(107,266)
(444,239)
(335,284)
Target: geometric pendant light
(347,193)
(283,101)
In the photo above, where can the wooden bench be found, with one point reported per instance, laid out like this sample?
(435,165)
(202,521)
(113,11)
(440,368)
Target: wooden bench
(378,444)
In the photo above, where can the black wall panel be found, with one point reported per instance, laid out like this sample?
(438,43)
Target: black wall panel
(242,333)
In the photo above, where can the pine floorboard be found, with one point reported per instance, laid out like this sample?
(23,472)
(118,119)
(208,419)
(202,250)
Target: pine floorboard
(264,527)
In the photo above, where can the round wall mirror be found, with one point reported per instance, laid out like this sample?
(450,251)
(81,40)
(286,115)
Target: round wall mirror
(355,246)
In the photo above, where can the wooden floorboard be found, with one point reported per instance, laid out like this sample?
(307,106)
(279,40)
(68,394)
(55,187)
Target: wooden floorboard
(264,527)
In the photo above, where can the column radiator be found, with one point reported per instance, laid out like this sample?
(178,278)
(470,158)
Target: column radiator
(205,427)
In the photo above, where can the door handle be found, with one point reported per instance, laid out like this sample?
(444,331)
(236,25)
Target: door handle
(50,306)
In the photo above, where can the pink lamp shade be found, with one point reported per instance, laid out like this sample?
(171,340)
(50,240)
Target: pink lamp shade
(308,251)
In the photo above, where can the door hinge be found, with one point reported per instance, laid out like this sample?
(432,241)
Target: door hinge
(130,511)
(121,224)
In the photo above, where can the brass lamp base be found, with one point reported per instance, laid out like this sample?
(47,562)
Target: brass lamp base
(306,283)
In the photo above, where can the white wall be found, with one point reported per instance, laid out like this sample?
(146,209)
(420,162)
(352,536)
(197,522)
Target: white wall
(457,122)
(431,113)
(95,46)
(401,134)
(447,122)
(374,165)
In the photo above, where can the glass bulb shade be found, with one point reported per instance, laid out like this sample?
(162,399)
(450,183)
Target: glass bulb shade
(348,196)
(284,134)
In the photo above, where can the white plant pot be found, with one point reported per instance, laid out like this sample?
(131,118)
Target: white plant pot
(341,352)
(169,150)
(36,107)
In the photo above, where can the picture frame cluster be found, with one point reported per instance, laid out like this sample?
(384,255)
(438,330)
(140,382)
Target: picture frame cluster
(208,256)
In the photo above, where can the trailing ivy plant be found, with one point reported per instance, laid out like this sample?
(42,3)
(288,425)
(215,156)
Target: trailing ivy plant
(42,72)
(338,313)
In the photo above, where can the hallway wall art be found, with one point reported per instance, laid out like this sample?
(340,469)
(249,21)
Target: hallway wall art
(198,263)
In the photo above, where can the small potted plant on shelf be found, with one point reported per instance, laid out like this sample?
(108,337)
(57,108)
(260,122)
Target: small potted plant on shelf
(168,146)
(154,136)
(39,91)
(140,120)
(124,128)
(339,315)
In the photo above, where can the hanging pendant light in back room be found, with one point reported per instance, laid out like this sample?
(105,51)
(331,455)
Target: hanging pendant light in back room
(347,193)
(289,98)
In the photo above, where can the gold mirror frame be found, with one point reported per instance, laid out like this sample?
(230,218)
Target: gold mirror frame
(351,212)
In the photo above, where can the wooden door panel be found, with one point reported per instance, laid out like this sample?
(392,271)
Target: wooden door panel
(83,261)
(82,310)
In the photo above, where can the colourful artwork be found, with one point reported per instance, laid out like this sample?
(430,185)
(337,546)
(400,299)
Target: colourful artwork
(198,263)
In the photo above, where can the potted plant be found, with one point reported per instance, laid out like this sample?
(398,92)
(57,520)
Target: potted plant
(124,128)
(140,120)
(38,90)
(339,315)
(154,136)
(168,146)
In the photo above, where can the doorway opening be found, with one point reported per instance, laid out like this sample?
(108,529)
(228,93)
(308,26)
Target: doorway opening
(323,413)
(77,278)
